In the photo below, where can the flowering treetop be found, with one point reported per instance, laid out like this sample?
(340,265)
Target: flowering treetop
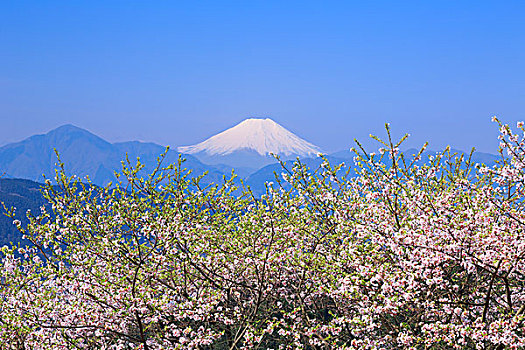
(407,254)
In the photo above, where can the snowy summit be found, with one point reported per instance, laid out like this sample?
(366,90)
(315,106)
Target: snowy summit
(263,136)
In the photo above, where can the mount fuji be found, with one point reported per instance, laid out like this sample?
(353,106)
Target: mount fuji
(250,145)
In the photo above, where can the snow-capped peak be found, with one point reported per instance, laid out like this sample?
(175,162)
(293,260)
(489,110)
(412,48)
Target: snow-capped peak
(263,136)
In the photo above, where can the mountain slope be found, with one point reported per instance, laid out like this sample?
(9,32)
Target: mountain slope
(257,179)
(84,154)
(477,157)
(250,144)
(23,195)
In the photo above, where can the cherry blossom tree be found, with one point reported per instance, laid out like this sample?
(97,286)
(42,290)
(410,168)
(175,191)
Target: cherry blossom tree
(409,253)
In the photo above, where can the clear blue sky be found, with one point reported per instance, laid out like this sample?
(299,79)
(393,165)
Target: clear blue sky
(176,72)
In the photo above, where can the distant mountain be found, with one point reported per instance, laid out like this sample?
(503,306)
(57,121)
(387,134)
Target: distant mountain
(477,157)
(267,173)
(250,144)
(84,154)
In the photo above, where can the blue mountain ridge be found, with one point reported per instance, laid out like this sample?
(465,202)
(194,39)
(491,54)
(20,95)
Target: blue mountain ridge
(85,154)
(269,172)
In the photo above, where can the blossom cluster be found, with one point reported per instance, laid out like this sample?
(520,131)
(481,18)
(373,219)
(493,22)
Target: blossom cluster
(407,254)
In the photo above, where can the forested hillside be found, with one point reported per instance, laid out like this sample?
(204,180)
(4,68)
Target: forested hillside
(23,195)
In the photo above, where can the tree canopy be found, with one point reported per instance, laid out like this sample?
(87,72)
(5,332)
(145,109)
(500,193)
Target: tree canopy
(407,254)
